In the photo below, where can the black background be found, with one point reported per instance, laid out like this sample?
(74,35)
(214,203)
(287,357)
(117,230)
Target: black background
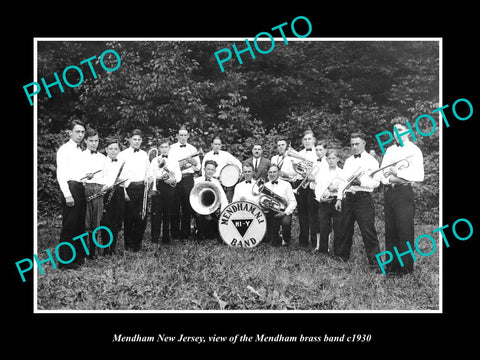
(398,333)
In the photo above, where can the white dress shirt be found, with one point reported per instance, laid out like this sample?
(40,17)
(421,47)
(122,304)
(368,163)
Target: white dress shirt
(285,164)
(92,162)
(243,192)
(324,178)
(222,158)
(110,170)
(179,152)
(365,162)
(322,165)
(285,191)
(136,165)
(223,197)
(68,159)
(414,172)
(170,163)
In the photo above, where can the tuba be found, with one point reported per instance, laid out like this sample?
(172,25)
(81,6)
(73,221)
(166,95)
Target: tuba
(268,200)
(205,198)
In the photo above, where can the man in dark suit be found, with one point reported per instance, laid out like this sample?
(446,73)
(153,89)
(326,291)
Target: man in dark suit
(259,164)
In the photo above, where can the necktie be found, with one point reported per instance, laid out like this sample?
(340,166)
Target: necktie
(207,179)
(319,159)
(357,156)
(248,181)
(93,152)
(308,149)
(274,182)
(78,146)
(135,150)
(114,160)
(215,153)
(165,156)
(183,145)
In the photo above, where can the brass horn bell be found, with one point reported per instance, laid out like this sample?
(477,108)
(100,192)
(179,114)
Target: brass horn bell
(205,198)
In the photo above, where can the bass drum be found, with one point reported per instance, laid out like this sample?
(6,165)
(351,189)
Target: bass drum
(229,175)
(242,224)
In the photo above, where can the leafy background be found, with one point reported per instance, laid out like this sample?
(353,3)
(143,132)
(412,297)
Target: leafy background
(332,87)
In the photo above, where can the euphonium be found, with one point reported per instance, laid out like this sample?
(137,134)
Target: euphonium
(268,200)
(205,198)
(304,166)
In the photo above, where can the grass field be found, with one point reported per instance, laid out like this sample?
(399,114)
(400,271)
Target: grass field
(190,275)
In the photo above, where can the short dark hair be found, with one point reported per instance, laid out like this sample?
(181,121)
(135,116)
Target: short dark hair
(210,162)
(273,165)
(74,123)
(136,132)
(90,132)
(358,134)
(245,164)
(112,140)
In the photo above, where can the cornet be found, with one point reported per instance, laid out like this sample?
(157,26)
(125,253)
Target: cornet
(268,200)
(186,165)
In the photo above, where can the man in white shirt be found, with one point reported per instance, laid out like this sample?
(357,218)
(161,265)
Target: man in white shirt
(69,176)
(181,224)
(326,184)
(135,170)
(222,158)
(207,225)
(283,218)
(284,162)
(165,171)
(91,162)
(114,199)
(243,190)
(399,197)
(356,203)
(307,210)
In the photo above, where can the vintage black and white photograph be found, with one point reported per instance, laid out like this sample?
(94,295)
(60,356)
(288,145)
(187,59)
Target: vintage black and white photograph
(225,175)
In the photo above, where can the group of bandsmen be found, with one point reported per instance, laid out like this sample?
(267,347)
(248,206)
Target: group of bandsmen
(110,190)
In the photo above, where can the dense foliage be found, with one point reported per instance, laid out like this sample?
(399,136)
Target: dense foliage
(332,87)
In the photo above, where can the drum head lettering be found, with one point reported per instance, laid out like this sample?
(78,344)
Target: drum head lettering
(242,224)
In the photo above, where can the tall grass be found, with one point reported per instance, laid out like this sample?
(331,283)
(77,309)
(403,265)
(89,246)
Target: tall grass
(190,275)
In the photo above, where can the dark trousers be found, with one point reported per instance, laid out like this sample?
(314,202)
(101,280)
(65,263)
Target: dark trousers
(182,216)
(134,226)
(73,224)
(273,228)
(93,214)
(162,211)
(207,226)
(113,213)
(357,207)
(328,219)
(306,215)
(399,225)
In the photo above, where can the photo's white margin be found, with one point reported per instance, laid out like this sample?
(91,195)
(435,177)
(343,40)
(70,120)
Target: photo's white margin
(35,127)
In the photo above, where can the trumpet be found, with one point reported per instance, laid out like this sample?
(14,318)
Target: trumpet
(186,165)
(357,174)
(154,186)
(205,198)
(268,200)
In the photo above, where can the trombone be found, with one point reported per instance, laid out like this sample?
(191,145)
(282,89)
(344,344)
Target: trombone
(146,183)
(388,173)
